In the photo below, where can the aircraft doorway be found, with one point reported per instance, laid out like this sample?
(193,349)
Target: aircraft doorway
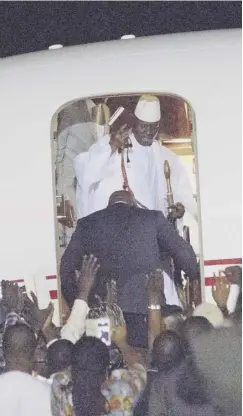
(82,123)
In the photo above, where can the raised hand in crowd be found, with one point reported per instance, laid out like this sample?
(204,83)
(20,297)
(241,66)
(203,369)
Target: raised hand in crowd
(12,297)
(221,290)
(35,316)
(48,329)
(130,355)
(86,276)
(119,335)
(48,322)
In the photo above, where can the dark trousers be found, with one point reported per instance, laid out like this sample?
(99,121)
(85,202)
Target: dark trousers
(137,329)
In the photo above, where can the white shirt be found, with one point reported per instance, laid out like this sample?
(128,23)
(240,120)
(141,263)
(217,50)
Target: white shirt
(23,395)
(75,326)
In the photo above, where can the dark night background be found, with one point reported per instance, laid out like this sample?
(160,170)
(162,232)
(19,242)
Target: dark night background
(33,26)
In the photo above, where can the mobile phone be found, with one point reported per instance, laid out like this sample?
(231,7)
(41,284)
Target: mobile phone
(121,117)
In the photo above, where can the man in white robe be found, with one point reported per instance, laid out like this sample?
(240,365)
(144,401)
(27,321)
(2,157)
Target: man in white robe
(99,172)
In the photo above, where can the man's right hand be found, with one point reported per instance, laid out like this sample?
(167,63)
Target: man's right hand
(86,276)
(221,290)
(119,138)
(35,316)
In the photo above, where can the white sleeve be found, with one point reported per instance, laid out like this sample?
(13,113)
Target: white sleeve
(79,166)
(91,168)
(75,326)
(100,162)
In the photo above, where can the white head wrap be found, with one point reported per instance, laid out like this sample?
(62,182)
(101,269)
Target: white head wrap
(148,109)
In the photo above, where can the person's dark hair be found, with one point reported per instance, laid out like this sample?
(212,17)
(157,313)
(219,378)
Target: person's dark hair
(170,310)
(3,315)
(59,356)
(19,344)
(191,385)
(89,366)
(168,351)
(193,327)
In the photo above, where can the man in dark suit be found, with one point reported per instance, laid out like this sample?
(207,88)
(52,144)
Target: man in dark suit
(129,242)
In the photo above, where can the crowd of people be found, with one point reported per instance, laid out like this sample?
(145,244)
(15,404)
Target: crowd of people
(191,365)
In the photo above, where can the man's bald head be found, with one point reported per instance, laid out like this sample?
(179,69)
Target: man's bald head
(124,197)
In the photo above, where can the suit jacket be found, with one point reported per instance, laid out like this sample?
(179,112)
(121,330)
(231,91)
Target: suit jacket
(128,242)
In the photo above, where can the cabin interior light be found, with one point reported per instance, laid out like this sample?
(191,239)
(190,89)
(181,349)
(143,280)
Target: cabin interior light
(131,36)
(53,47)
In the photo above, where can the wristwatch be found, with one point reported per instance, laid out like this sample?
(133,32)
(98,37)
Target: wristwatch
(154,307)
